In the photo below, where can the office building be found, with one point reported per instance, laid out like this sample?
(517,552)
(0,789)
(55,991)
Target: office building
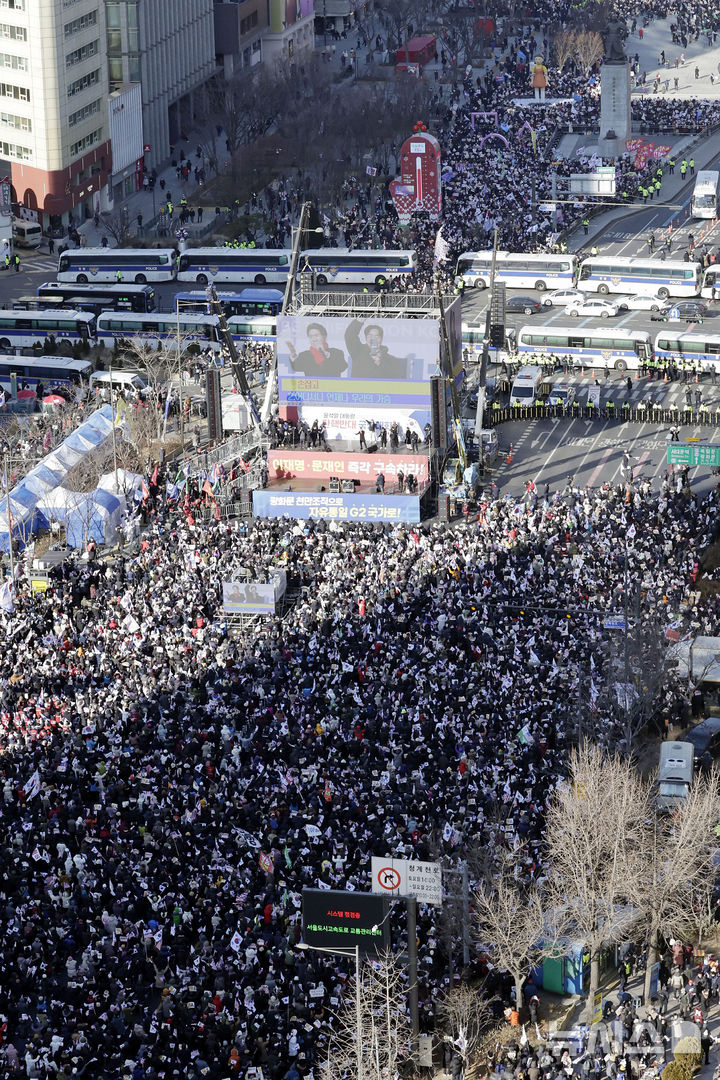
(169,48)
(53,106)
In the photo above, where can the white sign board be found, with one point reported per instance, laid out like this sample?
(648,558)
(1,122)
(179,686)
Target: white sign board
(425,1051)
(402,877)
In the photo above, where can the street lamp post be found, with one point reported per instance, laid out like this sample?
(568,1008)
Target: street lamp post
(192,305)
(358,1011)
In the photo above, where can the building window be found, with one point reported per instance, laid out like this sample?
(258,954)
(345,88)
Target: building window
(134,68)
(20,93)
(20,123)
(115,69)
(14,5)
(17,63)
(82,145)
(91,79)
(83,114)
(22,153)
(248,23)
(83,22)
(83,53)
(14,33)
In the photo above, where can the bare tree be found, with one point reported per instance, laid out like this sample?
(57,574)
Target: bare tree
(678,868)
(465,1015)
(595,823)
(589,47)
(512,922)
(381,1018)
(564,46)
(629,680)
(117,226)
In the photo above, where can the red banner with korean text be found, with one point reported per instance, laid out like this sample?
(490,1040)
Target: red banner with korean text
(309,465)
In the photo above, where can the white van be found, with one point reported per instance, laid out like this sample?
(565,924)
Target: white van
(526,386)
(27,234)
(675,774)
(125,382)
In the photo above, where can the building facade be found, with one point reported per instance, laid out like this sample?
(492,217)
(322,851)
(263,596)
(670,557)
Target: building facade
(239,29)
(169,48)
(53,106)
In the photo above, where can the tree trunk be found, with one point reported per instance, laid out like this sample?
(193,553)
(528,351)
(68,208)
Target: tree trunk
(652,955)
(592,989)
(519,980)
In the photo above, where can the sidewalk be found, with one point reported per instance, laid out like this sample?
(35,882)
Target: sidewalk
(674,190)
(656,38)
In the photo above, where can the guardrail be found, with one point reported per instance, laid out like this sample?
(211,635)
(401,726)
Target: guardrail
(237,447)
(640,413)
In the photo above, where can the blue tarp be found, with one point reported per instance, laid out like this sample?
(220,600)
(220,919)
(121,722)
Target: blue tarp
(49,475)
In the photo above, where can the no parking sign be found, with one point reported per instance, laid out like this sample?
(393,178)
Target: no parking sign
(403,877)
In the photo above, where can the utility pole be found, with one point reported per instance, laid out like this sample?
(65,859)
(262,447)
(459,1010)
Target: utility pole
(412,970)
(10,522)
(485,358)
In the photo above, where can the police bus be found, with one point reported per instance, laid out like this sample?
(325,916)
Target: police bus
(32,329)
(119,297)
(519,271)
(623,350)
(103,264)
(639,277)
(704,202)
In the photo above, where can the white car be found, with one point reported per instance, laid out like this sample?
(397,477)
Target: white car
(562,297)
(602,309)
(639,303)
(562,393)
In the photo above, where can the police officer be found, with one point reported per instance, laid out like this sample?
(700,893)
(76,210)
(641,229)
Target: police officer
(594,250)
(683,168)
(671,166)
(692,166)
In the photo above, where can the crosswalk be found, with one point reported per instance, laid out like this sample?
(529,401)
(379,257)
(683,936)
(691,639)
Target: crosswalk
(670,395)
(46,264)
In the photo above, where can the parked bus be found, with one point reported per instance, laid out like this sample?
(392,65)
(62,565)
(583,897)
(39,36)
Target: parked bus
(519,271)
(211,264)
(244,302)
(156,330)
(696,349)
(711,282)
(128,297)
(354,266)
(639,277)
(623,350)
(704,202)
(32,329)
(51,371)
(253,328)
(102,264)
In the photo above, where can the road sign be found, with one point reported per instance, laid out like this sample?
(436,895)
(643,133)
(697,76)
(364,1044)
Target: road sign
(614,622)
(334,919)
(403,877)
(693,454)
(425,1051)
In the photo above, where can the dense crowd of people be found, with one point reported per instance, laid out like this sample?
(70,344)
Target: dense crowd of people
(169,789)
(171,782)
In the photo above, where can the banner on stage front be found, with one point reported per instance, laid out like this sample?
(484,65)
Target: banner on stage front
(336,507)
